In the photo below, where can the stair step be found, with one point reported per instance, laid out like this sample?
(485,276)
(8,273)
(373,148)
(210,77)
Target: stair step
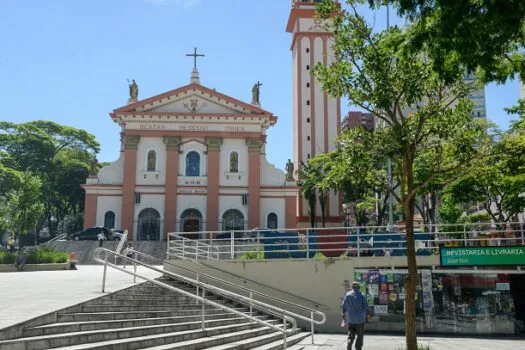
(291,343)
(72,327)
(168,339)
(125,315)
(268,341)
(212,341)
(113,308)
(119,334)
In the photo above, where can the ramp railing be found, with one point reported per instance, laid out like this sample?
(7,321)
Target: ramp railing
(356,241)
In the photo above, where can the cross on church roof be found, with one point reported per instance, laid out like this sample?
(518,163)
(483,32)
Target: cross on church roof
(194,55)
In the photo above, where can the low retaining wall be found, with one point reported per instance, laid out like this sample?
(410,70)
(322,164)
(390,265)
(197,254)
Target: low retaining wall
(314,283)
(84,250)
(35,267)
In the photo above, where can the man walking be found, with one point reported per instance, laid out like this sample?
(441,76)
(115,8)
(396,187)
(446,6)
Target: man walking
(355,310)
(101,237)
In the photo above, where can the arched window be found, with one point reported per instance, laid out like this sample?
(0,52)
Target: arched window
(234,162)
(152,160)
(193,164)
(232,220)
(109,219)
(149,225)
(271,221)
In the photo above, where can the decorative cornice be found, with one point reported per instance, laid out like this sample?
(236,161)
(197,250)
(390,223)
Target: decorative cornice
(131,141)
(172,142)
(254,145)
(213,143)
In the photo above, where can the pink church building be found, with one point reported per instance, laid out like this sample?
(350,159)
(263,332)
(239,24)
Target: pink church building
(193,159)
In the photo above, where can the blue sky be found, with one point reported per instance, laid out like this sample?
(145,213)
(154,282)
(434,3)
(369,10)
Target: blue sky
(68,61)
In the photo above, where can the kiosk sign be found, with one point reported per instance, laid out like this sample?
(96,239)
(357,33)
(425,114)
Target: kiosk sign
(482,256)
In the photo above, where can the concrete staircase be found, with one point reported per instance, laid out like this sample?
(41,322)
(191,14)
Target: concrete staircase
(146,316)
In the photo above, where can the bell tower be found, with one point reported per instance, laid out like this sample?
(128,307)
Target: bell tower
(317,116)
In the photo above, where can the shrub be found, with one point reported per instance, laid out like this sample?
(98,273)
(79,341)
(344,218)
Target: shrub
(7,258)
(319,256)
(258,255)
(46,256)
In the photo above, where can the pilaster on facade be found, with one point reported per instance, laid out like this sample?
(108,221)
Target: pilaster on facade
(170,192)
(213,144)
(131,141)
(172,143)
(254,145)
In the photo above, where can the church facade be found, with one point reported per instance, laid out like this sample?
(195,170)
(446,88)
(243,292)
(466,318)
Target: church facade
(193,159)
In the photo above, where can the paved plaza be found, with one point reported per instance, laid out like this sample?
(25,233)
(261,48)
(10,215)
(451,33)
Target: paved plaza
(384,342)
(25,295)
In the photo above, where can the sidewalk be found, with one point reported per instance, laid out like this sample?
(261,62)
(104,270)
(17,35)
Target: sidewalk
(383,342)
(25,295)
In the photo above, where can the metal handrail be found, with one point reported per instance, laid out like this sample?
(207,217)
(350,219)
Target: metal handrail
(194,244)
(313,312)
(470,234)
(122,242)
(269,309)
(56,238)
(317,304)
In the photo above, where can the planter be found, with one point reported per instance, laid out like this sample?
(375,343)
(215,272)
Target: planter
(35,267)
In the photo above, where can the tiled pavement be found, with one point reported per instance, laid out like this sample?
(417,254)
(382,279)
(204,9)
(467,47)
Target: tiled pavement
(24,295)
(383,342)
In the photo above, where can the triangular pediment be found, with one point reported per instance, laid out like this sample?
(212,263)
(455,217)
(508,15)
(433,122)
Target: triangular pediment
(192,98)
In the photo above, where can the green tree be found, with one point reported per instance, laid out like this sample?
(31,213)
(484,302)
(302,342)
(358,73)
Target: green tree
(483,35)
(308,181)
(23,207)
(420,110)
(355,172)
(497,182)
(59,155)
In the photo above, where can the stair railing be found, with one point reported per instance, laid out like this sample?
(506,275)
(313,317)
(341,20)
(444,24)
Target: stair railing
(103,255)
(252,293)
(56,238)
(122,242)
(184,248)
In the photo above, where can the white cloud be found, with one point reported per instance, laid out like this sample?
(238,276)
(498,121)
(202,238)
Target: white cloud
(186,4)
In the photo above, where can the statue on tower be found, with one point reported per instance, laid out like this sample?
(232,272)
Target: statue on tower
(255,93)
(133,90)
(94,167)
(289,170)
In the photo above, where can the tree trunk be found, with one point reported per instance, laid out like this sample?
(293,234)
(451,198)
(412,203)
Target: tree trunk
(311,203)
(322,203)
(412,280)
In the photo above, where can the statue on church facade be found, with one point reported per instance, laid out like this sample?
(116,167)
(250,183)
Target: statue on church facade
(133,90)
(289,170)
(255,93)
(94,167)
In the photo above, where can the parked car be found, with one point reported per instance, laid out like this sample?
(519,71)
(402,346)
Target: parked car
(92,233)
(116,235)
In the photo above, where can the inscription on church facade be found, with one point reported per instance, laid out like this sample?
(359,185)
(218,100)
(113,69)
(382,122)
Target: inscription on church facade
(234,128)
(197,127)
(152,127)
(193,127)
(191,190)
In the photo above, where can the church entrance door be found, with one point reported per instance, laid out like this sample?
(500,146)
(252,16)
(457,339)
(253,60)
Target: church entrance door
(191,220)
(192,225)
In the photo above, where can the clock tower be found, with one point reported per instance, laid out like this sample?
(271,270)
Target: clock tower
(317,116)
